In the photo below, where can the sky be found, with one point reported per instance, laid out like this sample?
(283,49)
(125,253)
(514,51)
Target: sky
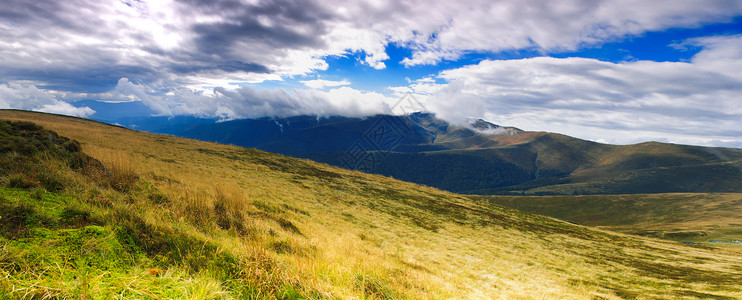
(617,72)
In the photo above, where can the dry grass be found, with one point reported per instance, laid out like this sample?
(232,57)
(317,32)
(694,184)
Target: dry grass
(301,229)
(696,218)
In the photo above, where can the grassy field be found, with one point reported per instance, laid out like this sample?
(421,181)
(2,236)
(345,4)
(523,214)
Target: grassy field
(165,217)
(696,218)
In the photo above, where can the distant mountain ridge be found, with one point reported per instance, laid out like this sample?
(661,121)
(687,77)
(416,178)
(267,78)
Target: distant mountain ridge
(481,158)
(310,134)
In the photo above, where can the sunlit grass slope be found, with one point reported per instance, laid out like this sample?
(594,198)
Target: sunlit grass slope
(167,217)
(697,218)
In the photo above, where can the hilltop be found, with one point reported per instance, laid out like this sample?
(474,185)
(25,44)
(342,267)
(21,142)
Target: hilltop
(138,215)
(478,158)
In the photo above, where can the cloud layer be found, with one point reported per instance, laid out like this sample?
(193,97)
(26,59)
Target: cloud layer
(248,102)
(17,95)
(88,44)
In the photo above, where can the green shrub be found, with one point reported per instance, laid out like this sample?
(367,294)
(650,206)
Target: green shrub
(18,181)
(71,216)
(163,242)
(52,183)
(19,218)
(287,225)
(31,156)
(374,287)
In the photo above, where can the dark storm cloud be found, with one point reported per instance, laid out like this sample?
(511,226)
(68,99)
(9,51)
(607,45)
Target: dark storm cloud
(293,25)
(300,11)
(227,66)
(42,28)
(95,43)
(45,14)
(220,37)
(21,12)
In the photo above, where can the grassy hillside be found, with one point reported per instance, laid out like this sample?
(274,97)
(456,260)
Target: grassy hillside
(559,164)
(419,147)
(166,217)
(697,218)
(552,164)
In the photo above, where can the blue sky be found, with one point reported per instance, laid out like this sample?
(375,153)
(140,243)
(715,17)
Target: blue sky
(611,71)
(652,46)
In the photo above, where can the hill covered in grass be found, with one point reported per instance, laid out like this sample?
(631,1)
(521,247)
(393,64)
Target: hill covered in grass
(695,218)
(149,216)
(481,158)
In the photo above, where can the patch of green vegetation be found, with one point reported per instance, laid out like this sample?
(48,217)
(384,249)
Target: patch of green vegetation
(282,247)
(670,271)
(170,246)
(687,293)
(679,217)
(218,153)
(374,287)
(63,245)
(267,207)
(292,166)
(294,209)
(288,225)
(52,242)
(31,157)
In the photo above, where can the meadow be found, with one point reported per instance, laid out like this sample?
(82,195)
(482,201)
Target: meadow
(132,215)
(712,219)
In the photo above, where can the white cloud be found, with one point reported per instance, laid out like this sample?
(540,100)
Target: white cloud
(696,102)
(127,90)
(26,96)
(64,108)
(248,102)
(443,30)
(321,83)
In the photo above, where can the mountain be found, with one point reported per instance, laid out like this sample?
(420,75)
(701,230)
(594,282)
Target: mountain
(310,134)
(480,158)
(91,210)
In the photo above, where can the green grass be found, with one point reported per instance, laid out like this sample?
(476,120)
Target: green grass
(55,247)
(197,220)
(696,218)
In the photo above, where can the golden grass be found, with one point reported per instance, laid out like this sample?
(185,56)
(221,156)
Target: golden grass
(687,217)
(302,228)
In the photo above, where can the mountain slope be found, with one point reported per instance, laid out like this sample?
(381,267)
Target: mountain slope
(483,158)
(564,165)
(203,220)
(694,218)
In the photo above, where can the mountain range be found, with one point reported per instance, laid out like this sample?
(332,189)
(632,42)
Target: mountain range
(476,158)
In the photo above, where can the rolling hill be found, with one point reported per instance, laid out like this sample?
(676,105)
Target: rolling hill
(690,218)
(91,210)
(482,158)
